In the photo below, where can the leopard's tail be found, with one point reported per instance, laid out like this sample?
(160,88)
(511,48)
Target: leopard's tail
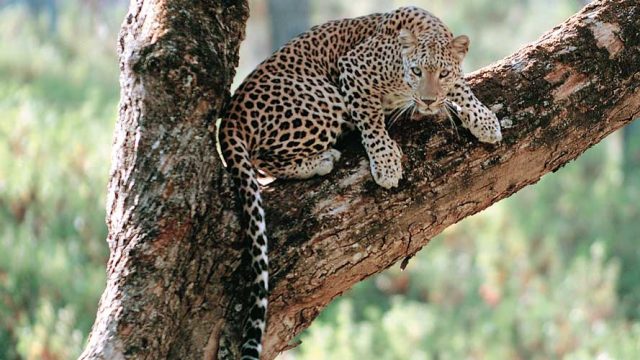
(244,175)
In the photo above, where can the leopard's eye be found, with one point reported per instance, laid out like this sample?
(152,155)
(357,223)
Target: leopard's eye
(444,74)
(416,71)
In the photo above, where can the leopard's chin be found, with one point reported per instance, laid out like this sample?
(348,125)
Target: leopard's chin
(428,110)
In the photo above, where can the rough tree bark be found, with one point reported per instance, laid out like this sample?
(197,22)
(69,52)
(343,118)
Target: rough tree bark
(168,239)
(173,230)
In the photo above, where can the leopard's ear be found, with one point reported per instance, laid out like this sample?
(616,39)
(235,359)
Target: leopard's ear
(460,46)
(407,40)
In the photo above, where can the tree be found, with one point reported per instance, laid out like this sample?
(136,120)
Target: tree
(172,288)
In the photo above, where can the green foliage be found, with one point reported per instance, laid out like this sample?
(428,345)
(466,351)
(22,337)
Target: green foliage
(551,272)
(498,28)
(58,100)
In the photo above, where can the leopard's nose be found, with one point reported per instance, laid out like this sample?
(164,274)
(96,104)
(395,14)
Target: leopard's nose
(428,101)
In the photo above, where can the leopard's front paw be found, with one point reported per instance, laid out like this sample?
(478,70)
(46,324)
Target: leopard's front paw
(482,123)
(327,161)
(386,166)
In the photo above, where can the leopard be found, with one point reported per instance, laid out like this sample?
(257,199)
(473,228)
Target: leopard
(286,116)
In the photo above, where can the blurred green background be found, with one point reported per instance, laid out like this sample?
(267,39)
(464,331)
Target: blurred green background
(552,272)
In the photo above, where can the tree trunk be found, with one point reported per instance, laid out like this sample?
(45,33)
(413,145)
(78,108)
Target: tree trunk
(168,239)
(173,231)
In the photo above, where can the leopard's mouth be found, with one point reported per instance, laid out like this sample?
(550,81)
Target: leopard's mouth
(425,109)
(428,111)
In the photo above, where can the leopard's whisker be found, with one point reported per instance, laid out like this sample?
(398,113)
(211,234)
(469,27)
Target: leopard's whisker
(402,110)
(394,116)
(448,109)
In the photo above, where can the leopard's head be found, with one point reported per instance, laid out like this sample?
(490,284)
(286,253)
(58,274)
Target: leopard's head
(431,66)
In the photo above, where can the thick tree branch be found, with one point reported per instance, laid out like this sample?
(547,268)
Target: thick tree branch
(173,229)
(557,97)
